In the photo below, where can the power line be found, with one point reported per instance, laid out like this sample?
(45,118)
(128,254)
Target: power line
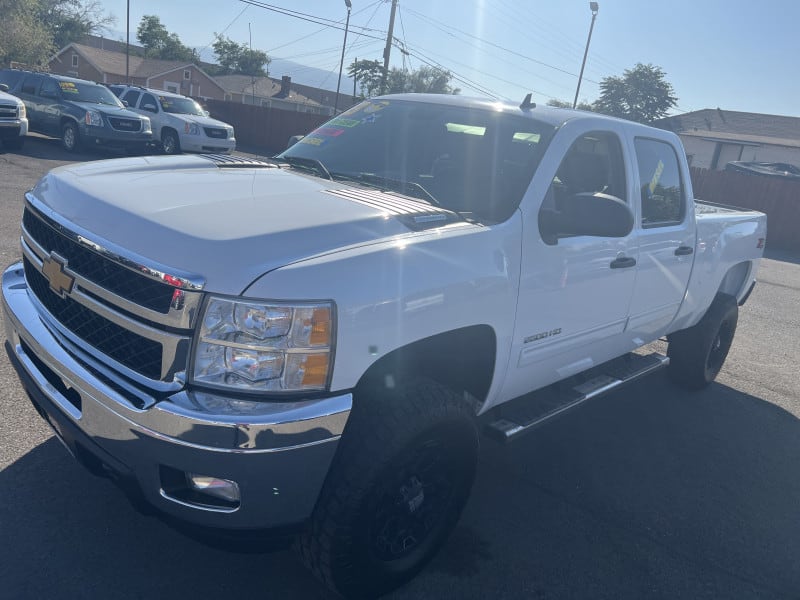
(444,27)
(329,23)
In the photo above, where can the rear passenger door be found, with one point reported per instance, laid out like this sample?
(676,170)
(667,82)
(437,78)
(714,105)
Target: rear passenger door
(666,230)
(49,103)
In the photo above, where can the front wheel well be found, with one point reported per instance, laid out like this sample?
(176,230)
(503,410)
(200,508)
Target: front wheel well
(462,360)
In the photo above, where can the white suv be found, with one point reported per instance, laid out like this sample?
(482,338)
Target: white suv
(13,121)
(178,122)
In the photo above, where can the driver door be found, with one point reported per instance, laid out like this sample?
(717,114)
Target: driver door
(575,291)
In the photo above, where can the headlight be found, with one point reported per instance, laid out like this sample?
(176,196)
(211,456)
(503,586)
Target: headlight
(259,346)
(231,133)
(21,110)
(93,118)
(191,128)
(146,127)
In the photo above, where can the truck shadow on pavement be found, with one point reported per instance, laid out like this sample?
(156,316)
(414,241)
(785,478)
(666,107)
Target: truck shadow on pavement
(649,492)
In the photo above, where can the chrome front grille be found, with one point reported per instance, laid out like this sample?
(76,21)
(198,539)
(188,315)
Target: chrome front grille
(121,124)
(8,111)
(216,133)
(135,318)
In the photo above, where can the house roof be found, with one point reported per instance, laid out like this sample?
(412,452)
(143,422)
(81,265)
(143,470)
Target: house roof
(728,125)
(265,87)
(113,63)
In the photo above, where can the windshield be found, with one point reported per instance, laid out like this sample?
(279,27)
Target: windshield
(477,162)
(180,106)
(88,92)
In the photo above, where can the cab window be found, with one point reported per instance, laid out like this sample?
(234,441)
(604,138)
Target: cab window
(132,97)
(30,84)
(662,189)
(49,89)
(149,103)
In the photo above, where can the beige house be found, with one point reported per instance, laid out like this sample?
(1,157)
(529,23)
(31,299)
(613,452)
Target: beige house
(270,92)
(109,66)
(714,137)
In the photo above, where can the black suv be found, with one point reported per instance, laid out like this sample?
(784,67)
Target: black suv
(79,112)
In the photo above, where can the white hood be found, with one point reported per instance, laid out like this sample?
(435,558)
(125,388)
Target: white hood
(229,225)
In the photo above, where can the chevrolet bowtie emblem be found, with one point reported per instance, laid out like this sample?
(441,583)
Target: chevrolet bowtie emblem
(53,269)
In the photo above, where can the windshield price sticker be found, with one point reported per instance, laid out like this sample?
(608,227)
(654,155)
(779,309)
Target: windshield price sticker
(656,177)
(329,131)
(346,122)
(68,86)
(314,141)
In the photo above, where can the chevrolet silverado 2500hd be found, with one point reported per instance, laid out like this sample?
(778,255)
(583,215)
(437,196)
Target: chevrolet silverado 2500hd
(310,341)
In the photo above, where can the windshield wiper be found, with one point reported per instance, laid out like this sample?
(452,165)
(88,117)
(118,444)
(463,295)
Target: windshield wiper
(409,188)
(309,164)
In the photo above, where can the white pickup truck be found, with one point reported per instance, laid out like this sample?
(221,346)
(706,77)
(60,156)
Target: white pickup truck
(315,342)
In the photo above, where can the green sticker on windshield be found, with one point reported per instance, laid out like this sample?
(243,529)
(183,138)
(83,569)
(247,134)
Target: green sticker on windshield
(656,177)
(345,122)
(68,86)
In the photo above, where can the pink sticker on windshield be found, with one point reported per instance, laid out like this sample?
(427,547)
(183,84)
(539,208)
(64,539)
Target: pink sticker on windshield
(329,131)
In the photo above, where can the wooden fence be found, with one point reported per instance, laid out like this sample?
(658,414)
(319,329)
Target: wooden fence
(265,129)
(778,198)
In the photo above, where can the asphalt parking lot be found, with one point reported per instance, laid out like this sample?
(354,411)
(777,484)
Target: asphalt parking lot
(650,492)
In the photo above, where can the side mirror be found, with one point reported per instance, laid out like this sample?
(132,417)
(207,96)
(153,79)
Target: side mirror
(594,214)
(149,108)
(293,140)
(125,103)
(3,87)
(206,113)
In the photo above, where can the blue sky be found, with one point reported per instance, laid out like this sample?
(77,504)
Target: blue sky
(733,55)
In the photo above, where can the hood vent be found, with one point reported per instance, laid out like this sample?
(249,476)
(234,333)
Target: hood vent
(414,214)
(226,161)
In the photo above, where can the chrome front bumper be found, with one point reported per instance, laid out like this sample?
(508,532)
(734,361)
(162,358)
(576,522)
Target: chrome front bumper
(277,453)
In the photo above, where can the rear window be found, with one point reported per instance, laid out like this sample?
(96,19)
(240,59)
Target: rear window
(11,78)
(663,202)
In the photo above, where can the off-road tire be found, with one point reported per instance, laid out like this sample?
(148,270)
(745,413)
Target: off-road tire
(70,138)
(697,354)
(170,143)
(400,479)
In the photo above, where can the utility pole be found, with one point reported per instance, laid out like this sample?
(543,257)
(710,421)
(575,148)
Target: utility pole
(387,51)
(128,46)
(253,76)
(594,8)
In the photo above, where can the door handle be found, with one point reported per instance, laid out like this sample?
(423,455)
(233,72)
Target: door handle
(683,250)
(623,262)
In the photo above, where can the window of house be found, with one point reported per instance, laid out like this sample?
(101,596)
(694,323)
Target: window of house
(228,97)
(187,74)
(74,60)
(662,190)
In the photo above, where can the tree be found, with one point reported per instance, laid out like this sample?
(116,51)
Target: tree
(23,37)
(31,30)
(71,20)
(641,94)
(239,58)
(369,74)
(431,80)
(160,43)
(582,105)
